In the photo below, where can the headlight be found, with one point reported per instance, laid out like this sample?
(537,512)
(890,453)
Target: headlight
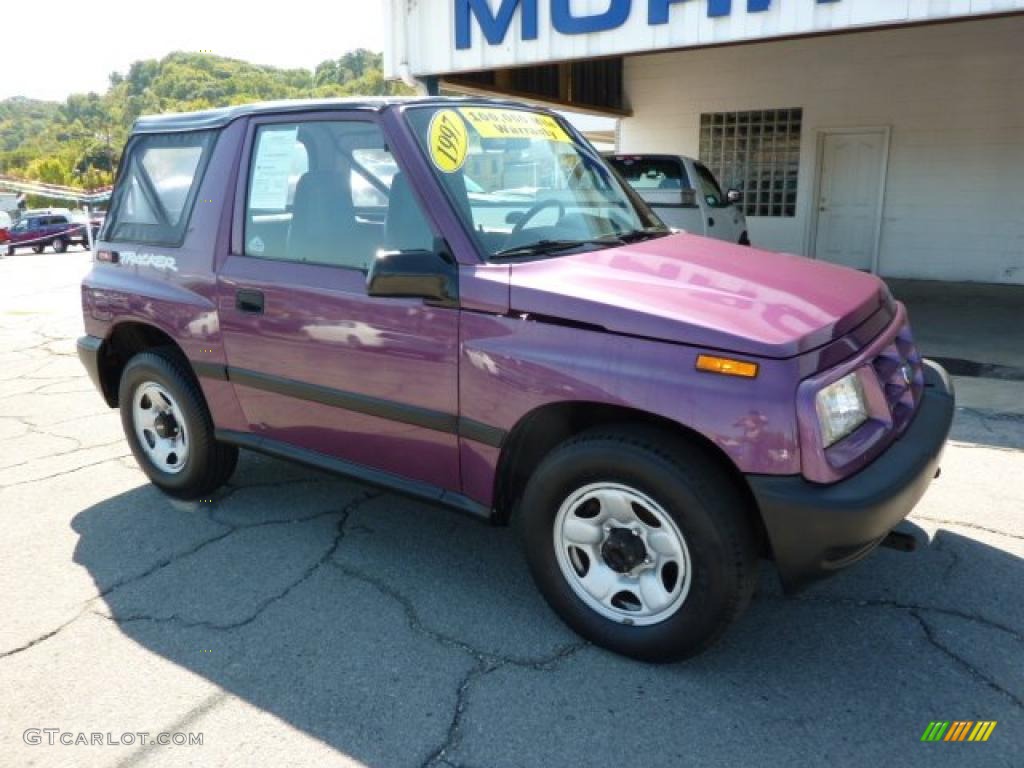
(841,408)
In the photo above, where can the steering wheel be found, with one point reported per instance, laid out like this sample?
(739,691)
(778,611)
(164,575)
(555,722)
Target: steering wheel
(536,208)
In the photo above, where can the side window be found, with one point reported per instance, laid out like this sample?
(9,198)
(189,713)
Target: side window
(709,188)
(157,187)
(330,193)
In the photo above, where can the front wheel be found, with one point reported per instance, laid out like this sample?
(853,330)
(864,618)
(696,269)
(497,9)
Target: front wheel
(640,542)
(169,428)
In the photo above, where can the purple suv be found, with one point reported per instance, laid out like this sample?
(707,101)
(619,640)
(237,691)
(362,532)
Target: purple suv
(460,300)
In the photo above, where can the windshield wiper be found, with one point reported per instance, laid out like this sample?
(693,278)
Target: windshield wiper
(647,233)
(551,246)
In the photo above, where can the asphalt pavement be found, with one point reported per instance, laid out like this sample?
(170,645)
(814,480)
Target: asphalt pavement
(302,619)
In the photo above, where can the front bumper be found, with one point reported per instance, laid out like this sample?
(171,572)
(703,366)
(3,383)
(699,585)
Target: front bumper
(815,530)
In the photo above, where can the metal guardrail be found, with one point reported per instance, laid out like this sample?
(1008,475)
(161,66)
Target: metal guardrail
(56,191)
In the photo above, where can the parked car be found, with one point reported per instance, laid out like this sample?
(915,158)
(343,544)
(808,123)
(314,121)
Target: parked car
(685,195)
(654,411)
(5,225)
(58,228)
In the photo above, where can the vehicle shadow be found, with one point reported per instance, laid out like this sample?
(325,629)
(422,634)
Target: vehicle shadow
(392,631)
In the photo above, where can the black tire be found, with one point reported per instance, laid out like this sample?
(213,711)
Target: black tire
(38,248)
(700,497)
(60,245)
(209,463)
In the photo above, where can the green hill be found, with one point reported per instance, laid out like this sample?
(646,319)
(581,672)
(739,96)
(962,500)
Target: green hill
(78,142)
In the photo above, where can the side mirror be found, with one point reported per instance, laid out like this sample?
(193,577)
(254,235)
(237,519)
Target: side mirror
(734,196)
(514,217)
(430,275)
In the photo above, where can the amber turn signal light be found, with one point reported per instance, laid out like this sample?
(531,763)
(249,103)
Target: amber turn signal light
(726,366)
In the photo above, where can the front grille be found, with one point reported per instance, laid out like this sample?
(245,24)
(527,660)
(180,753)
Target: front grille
(901,376)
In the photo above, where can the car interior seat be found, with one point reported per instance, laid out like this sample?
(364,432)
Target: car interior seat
(323,227)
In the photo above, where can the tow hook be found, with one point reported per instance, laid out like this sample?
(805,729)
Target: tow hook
(904,542)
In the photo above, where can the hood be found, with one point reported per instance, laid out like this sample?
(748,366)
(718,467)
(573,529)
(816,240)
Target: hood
(702,292)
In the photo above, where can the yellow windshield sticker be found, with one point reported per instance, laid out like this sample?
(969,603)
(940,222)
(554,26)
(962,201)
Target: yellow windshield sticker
(493,123)
(449,140)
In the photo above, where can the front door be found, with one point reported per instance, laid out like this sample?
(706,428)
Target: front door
(316,362)
(849,197)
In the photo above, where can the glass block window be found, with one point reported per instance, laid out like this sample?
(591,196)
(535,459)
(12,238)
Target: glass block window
(758,153)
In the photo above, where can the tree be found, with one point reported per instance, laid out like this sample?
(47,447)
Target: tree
(79,141)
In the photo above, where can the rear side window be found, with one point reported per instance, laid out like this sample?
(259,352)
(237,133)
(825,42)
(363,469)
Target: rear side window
(658,180)
(651,172)
(157,188)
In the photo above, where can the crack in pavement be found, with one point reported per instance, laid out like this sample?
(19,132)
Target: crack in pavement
(886,603)
(43,637)
(417,625)
(267,602)
(965,524)
(917,611)
(486,662)
(77,449)
(932,636)
(64,472)
(165,562)
(451,741)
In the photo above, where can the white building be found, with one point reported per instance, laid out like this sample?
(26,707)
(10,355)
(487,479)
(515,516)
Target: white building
(883,134)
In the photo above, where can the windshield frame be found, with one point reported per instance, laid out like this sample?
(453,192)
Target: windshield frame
(650,223)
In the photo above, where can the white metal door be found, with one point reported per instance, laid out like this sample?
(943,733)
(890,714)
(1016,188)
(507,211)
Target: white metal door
(850,191)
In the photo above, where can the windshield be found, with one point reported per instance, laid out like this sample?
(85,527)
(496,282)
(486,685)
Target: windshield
(524,184)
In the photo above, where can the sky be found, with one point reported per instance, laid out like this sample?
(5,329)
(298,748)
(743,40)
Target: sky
(295,33)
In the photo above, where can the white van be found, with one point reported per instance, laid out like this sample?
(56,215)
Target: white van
(685,195)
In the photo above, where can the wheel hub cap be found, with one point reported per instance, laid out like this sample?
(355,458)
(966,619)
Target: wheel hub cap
(623,550)
(622,554)
(165,426)
(160,427)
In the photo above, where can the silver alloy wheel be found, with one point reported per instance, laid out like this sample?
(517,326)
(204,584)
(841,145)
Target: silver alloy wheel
(622,554)
(160,427)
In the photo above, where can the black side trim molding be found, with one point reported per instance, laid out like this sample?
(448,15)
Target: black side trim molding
(403,485)
(210,370)
(351,401)
(480,432)
(359,403)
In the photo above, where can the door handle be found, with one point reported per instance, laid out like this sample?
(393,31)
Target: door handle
(247,300)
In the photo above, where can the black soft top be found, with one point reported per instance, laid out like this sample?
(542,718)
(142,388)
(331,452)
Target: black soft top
(217,118)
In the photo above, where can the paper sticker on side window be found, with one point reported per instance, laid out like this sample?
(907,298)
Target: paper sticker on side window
(271,169)
(513,124)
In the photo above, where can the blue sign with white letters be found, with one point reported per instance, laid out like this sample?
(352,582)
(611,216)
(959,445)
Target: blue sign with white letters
(495,24)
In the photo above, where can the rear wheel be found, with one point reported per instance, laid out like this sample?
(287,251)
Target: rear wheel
(639,542)
(60,245)
(169,428)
